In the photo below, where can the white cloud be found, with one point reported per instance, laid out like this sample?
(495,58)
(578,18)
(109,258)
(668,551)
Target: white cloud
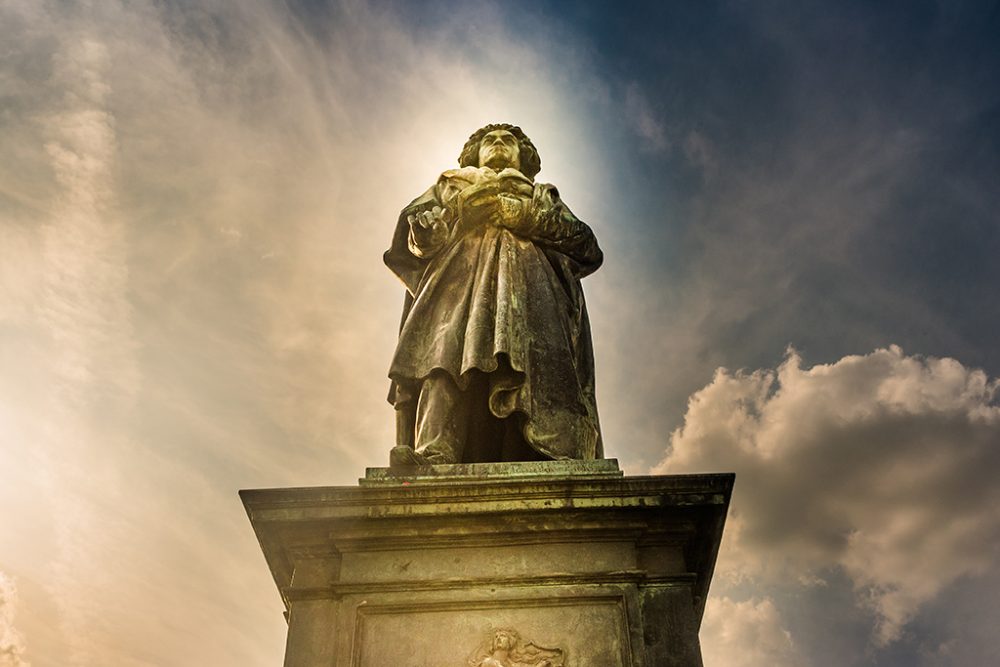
(746,634)
(12,649)
(882,465)
(153,362)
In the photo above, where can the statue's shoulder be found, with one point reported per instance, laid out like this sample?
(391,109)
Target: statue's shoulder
(546,190)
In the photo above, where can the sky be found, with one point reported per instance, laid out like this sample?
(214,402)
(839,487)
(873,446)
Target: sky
(798,207)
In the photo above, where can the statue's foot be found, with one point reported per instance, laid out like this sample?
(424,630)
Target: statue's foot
(401,455)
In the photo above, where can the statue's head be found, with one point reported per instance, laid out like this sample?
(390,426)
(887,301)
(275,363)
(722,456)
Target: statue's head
(501,145)
(504,640)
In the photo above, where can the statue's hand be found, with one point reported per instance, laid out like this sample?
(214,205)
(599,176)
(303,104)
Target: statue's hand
(501,209)
(508,211)
(429,229)
(479,202)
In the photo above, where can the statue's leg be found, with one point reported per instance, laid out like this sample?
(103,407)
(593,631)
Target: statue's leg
(404,399)
(442,420)
(405,418)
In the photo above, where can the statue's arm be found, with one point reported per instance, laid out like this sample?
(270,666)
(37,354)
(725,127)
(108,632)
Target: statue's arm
(551,224)
(401,257)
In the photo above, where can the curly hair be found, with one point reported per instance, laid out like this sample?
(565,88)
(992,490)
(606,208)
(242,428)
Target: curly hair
(531,163)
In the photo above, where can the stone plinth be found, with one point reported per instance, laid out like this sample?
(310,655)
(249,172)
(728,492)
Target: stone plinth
(431,566)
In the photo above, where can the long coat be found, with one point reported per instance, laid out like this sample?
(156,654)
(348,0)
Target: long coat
(506,301)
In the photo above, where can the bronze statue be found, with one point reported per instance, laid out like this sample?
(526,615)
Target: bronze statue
(494,360)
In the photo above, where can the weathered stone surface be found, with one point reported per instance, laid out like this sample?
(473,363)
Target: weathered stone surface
(487,472)
(421,568)
(494,360)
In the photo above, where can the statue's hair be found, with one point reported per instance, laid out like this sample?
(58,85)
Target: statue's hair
(531,163)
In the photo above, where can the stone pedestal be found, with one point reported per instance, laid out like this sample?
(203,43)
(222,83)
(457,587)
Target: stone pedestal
(558,563)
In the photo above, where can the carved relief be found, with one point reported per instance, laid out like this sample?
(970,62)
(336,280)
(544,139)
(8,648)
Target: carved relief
(506,649)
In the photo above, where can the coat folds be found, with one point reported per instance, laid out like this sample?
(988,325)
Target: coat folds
(505,301)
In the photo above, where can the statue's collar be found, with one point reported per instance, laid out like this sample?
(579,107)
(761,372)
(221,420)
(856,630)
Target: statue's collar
(474,175)
(509,172)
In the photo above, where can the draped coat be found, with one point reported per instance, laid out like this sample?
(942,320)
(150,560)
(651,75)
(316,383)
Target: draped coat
(505,301)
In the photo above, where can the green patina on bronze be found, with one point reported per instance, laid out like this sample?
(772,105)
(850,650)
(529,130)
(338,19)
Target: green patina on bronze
(494,360)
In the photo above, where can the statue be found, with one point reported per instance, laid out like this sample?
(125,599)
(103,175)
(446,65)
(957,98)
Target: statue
(494,360)
(506,650)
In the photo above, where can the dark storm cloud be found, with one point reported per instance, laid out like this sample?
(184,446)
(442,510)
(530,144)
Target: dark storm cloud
(824,179)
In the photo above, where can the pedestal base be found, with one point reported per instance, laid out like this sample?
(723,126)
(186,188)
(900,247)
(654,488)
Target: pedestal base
(558,564)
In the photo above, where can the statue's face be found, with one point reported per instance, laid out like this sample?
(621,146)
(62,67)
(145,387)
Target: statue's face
(501,640)
(498,150)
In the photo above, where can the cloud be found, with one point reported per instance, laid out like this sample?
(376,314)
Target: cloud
(192,297)
(643,119)
(746,634)
(197,213)
(12,649)
(881,465)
